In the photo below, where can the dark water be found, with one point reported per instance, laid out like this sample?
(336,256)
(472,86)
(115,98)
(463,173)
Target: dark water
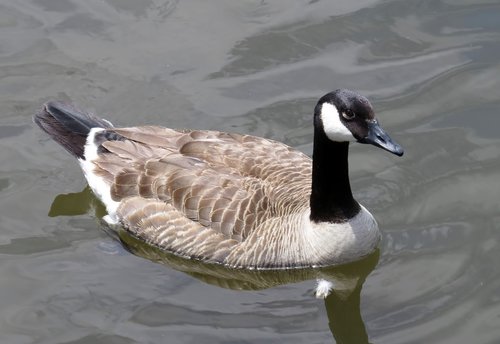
(431,69)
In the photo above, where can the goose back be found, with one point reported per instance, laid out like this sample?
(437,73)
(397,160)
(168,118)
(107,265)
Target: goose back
(204,194)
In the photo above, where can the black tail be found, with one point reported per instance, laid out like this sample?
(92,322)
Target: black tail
(68,126)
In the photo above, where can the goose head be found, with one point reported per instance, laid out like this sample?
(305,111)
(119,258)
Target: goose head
(346,116)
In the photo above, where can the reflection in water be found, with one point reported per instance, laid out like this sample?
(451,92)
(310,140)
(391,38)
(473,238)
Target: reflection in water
(77,203)
(342,305)
(344,316)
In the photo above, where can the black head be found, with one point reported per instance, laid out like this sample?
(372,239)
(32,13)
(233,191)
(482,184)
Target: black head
(346,116)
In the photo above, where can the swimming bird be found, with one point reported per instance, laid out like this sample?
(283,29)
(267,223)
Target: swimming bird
(238,200)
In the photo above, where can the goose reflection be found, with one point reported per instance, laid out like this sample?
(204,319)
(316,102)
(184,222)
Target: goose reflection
(342,303)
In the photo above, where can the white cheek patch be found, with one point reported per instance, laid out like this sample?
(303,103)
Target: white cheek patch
(334,129)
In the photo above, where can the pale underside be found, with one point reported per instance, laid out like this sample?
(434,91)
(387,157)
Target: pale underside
(232,199)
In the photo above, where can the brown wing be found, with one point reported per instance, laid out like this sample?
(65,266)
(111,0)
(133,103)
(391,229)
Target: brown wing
(214,183)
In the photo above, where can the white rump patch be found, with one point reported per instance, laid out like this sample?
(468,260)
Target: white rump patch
(335,130)
(96,183)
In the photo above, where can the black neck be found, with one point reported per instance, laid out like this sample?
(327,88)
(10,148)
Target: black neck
(331,196)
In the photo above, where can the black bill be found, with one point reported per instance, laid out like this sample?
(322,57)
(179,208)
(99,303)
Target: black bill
(378,137)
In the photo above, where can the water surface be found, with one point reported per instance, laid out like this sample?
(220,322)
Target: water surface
(431,69)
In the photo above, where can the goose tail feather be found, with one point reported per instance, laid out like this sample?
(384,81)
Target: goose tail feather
(68,126)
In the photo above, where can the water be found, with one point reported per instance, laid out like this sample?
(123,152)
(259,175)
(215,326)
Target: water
(431,69)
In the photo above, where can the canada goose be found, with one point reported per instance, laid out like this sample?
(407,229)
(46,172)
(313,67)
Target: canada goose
(238,200)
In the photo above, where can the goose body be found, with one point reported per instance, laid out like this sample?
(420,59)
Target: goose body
(238,200)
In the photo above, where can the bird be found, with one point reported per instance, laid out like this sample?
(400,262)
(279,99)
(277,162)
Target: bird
(226,198)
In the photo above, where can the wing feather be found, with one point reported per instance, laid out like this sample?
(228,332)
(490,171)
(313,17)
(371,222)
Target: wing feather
(200,193)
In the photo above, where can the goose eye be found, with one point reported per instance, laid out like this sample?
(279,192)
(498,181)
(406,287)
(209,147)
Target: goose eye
(348,114)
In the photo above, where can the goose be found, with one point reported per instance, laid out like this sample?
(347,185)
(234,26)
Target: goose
(232,199)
